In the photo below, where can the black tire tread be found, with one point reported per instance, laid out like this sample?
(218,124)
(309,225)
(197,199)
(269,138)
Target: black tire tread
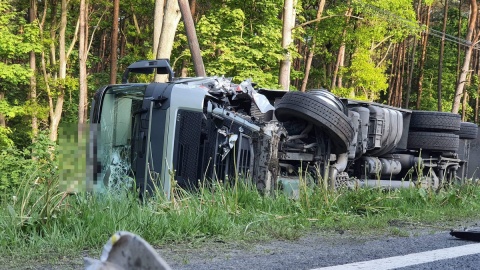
(311,108)
(434,121)
(468,131)
(442,142)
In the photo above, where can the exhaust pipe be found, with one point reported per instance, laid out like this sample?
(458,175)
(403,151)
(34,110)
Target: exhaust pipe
(336,168)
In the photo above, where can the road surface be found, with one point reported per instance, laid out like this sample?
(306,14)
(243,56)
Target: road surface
(424,250)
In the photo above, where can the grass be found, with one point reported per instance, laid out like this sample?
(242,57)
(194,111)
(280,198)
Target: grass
(37,220)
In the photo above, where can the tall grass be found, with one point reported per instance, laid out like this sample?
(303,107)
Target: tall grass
(37,219)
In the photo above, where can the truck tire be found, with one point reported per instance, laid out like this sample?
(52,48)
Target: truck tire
(468,131)
(441,142)
(434,121)
(321,114)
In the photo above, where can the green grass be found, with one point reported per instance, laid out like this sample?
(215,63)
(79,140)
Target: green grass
(37,221)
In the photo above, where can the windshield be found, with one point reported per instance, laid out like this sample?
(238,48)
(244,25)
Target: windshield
(117,122)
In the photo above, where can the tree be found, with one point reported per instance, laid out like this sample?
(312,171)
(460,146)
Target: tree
(337,80)
(171,18)
(240,39)
(412,60)
(288,24)
(157,24)
(56,79)
(308,65)
(82,58)
(364,43)
(56,111)
(422,57)
(440,58)
(114,39)
(32,17)
(192,38)
(472,40)
(19,39)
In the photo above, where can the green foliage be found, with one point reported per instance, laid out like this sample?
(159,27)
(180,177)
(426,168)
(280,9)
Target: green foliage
(5,141)
(368,79)
(238,39)
(382,21)
(10,111)
(449,71)
(14,73)
(242,42)
(395,18)
(31,165)
(18,39)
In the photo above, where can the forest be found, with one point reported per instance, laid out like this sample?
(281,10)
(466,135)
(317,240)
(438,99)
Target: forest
(420,54)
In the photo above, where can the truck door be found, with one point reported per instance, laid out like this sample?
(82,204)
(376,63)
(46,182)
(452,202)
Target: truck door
(113,120)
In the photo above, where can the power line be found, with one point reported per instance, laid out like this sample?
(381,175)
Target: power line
(451,38)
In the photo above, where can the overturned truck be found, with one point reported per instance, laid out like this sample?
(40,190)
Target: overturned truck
(208,128)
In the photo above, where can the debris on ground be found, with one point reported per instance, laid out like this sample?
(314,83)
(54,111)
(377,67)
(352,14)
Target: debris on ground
(127,251)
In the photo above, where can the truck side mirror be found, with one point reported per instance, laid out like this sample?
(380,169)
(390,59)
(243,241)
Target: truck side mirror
(148,67)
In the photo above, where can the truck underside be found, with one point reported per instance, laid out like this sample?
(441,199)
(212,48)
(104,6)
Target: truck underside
(210,129)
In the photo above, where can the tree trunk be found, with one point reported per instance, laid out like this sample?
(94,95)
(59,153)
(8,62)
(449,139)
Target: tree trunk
(392,77)
(56,114)
(123,41)
(423,58)
(412,62)
(308,65)
(302,50)
(459,46)
(340,54)
(114,43)
(193,8)
(468,55)
(33,79)
(2,117)
(477,100)
(396,99)
(82,57)
(192,38)
(285,64)
(101,51)
(157,24)
(464,105)
(184,70)
(53,34)
(337,80)
(171,19)
(477,97)
(410,73)
(62,57)
(401,76)
(440,58)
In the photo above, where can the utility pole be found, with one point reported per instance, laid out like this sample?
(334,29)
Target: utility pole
(192,38)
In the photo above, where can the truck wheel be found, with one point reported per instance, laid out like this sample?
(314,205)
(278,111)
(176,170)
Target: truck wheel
(442,142)
(320,113)
(434,121)
(468,131)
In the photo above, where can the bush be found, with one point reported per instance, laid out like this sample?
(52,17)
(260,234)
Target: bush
(34,164)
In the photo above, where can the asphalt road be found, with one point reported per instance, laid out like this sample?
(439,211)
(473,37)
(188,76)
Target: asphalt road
(333,250)
(316,251)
